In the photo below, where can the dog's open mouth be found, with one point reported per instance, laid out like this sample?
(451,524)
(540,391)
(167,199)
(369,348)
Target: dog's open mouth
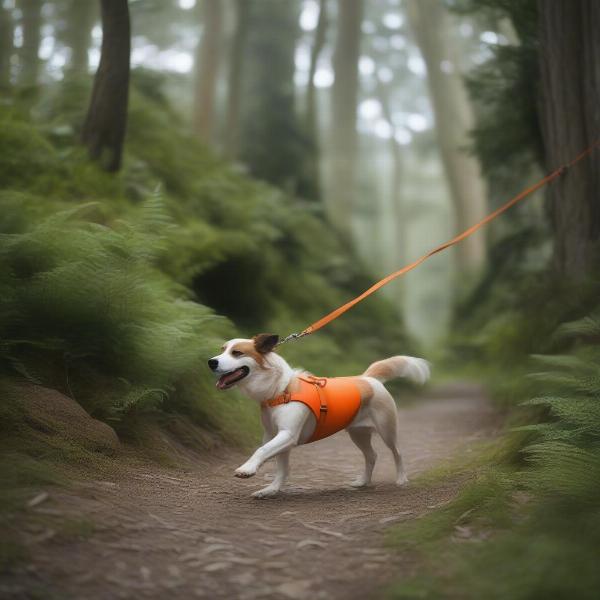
(226,381)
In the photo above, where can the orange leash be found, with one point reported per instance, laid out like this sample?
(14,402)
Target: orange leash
(461,236)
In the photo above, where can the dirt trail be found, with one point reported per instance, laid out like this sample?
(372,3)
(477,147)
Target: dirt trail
(197,533)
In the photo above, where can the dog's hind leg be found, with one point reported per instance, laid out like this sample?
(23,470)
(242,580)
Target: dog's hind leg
(361,436)
(283,470)
(385,417)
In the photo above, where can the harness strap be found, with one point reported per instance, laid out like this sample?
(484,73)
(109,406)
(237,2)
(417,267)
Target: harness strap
(281,399)
(287,396)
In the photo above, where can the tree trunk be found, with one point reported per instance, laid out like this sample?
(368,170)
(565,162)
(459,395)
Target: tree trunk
(207,69)
(344,105)
(106,120)
(29,60)
(311,105)
(570,120)
(273,144)
(454,119)
(401,250)
(6,46)
(311,109)
(78,35)
(234,91)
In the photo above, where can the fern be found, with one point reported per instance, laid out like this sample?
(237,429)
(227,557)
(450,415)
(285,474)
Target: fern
(582,411)
(587,327)
(565,457)
(91,293)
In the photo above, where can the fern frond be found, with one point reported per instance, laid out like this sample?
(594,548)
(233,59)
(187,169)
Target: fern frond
(587,327)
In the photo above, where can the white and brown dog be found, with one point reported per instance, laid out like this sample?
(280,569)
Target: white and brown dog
(264,376)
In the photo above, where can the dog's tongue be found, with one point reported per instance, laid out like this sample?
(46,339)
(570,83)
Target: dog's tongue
(228,378)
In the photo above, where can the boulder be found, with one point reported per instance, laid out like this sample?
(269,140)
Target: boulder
(56,414)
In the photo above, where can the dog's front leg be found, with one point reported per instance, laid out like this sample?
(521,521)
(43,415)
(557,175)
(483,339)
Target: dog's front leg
(282,442)
(283,469)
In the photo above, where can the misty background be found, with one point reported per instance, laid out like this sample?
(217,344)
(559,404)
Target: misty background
(360,109)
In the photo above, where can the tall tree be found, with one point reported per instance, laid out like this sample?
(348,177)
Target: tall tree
(106,120)
(234,87)
(31,22)
(78,34)
(570,118)
(207,69)
(311,102)
(454,119)
(400,221)
(6,46)
(392,207)
(273,144)
(315,52)
(344,139)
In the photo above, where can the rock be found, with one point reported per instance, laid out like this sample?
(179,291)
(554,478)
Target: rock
(54,413)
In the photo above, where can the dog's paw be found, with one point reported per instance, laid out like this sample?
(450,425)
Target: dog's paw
(267,492)
(245,471)
(402,480)
(360,483)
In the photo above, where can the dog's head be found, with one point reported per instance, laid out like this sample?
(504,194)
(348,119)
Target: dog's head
(239,358)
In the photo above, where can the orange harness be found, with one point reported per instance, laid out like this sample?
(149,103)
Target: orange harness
(334,402)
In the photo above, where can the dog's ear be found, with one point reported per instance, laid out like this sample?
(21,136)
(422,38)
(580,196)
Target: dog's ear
(265,342)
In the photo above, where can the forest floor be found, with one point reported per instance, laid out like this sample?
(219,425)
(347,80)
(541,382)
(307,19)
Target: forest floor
(195,532)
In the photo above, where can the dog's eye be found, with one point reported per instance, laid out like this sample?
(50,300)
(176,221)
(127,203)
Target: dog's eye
(236,353)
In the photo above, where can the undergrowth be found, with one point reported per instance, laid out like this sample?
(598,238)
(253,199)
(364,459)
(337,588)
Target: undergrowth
(116,289)
(530,528)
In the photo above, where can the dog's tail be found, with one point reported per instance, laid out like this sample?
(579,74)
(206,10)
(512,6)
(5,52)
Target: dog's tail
(415,369)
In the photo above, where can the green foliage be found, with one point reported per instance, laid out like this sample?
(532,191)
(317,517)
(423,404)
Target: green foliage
(25,156)
(86,294)
(533,533)
(106,281)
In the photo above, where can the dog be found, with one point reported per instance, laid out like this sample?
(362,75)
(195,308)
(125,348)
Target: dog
(289,419)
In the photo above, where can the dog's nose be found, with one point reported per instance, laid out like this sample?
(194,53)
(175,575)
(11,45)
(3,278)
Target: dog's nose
(213,363)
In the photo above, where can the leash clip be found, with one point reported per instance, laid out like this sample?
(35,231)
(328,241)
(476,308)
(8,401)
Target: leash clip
(291,337)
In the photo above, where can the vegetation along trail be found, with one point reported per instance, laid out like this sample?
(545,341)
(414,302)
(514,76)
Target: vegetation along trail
(195,531)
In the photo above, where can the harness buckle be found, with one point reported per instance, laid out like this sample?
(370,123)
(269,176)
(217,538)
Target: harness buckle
(318,381)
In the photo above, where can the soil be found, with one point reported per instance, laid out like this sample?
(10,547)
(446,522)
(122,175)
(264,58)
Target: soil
(195,531)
